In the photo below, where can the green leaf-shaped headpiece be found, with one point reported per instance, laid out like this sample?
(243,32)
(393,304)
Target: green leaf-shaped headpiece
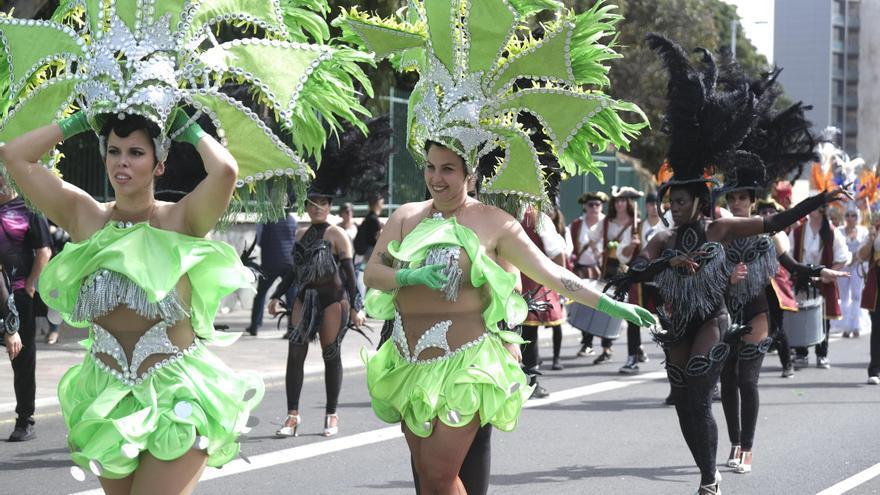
(481,68)
(148,57)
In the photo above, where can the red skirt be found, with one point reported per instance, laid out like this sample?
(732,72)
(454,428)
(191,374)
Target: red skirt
(553,315)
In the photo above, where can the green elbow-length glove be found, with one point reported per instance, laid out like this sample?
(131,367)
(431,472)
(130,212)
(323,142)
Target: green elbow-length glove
(73,125)
(184,130)
(629,312)
(430,276)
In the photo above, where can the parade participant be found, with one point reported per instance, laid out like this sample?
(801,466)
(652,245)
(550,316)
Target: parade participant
(620,239)
(850,289)
(150,406)
(647,292)
(434,269)
(588,249)
(817,243)
(541,230)
(688,263)
(870,295)
(327,301)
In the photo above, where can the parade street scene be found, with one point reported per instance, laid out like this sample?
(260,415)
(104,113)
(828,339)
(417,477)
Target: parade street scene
(442,247)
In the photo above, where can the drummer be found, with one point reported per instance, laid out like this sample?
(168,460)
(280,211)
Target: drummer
(586,240)
(817,242)
(620,238)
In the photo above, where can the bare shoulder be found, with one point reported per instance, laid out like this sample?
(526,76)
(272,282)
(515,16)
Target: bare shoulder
(90,222)
(410,210)
(335,232)
(169,216)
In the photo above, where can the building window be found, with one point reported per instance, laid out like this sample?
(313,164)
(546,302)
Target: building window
(840,7)
(838,60)
(838,116)
(838,34)
(838,87)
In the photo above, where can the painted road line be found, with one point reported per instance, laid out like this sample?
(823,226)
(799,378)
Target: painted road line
(278,457)
(853,481)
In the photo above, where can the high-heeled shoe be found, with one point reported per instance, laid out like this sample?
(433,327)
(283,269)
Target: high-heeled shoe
(745,463)
(735,456)
(291,430)
(713,488)
(330,431)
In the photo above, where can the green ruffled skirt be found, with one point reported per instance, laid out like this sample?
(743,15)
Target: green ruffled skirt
(482,379)
(194,402)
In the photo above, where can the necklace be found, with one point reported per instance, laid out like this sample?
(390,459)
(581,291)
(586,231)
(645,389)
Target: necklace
(438,215)
(124,224)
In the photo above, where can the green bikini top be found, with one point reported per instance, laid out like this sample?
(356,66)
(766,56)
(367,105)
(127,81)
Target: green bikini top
(154,260)
(504,303)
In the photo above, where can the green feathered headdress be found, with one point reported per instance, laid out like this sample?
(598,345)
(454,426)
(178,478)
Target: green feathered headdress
(481,67)
(274,92)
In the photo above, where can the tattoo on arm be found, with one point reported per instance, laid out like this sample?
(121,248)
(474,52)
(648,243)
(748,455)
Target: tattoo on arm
(571,284)
(386,259)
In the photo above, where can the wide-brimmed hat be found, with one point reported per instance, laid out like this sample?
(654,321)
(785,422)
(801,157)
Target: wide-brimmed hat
(593,196)
(626,192)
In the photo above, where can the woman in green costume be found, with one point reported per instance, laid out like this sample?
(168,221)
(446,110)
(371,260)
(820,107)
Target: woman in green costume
(150,406)
(148,391)
(511,106)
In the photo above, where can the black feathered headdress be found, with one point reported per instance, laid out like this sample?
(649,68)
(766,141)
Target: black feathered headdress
(778,145)
(706,122)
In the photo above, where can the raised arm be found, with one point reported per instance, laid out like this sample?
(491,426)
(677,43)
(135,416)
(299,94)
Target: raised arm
(61,201)
(730,228)
(205,205)
(516,247)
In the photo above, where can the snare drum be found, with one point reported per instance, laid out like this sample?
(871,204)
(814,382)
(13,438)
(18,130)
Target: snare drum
(587,319)
(806,327)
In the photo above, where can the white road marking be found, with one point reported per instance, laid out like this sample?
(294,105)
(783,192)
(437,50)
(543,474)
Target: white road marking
(293,454)
(853,481)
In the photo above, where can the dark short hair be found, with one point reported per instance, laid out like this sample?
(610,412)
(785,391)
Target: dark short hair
(124,127)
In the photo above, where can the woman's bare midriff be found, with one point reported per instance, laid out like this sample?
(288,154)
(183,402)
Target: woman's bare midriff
(421,308)
(128,327)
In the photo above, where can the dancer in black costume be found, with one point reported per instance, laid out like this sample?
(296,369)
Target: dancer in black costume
(706,126)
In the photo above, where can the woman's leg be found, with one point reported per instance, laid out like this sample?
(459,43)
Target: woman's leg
(475,469)
(750,357)
(703,369)
(530,348)
(331,333)
(121,486)
(730,399)
(874,364)
(676,360)
(633,339)
(179,476)
(439,458)
(297,350)
(557,341)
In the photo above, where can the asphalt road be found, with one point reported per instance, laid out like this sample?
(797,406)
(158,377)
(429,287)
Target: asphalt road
(598,432)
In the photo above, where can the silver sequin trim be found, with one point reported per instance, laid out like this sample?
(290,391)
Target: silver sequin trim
(104,290)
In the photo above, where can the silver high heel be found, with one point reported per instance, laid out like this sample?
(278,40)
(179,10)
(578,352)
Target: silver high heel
(735,455)
(289,431)
(330,431)
(712,488)
(744,467)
